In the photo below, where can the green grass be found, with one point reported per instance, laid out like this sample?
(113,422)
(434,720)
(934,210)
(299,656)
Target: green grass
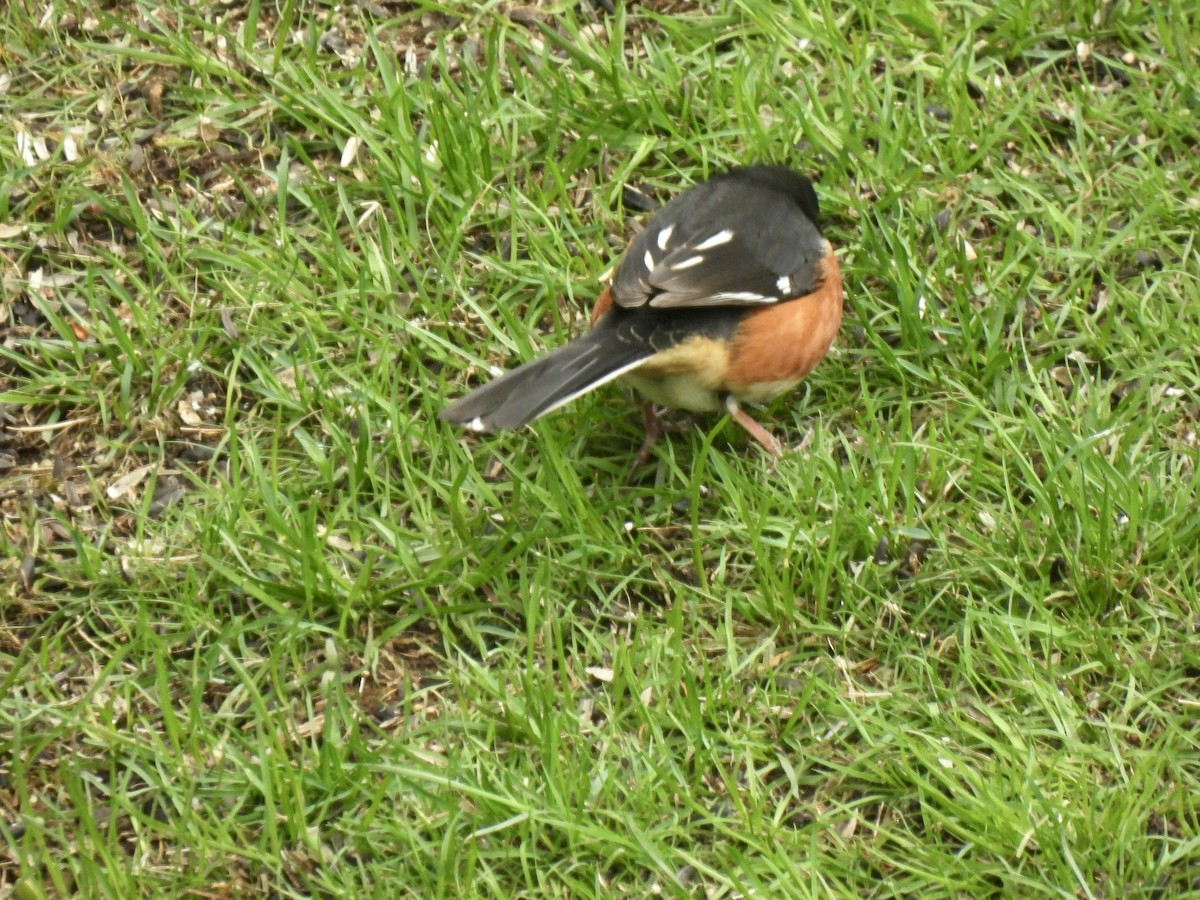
(270,629)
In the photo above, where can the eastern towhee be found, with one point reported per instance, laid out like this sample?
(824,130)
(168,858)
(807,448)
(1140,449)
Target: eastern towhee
(729,294)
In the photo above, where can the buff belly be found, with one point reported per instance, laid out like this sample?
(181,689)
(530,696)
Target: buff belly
(693,376)
(675,391)
(687,376)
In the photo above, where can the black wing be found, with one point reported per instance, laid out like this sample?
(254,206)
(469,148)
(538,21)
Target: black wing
(747,238)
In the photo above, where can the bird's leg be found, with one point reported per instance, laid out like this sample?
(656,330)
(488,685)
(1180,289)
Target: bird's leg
(653,424)
(769,441)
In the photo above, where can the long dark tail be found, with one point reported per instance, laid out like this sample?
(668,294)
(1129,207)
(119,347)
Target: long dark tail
(518,397)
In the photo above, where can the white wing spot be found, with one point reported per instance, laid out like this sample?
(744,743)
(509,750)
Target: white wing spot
(688,263)
(664,237)
(784,284)
(476,424)
(648,260)
(721,237)
(739,295)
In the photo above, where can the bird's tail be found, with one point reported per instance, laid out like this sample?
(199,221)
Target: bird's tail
(518,397)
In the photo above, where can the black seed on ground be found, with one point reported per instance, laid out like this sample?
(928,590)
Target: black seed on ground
(633,199)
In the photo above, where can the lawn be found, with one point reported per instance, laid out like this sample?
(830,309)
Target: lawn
(270,629)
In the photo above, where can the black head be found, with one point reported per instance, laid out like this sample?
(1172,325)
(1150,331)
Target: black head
(787,182)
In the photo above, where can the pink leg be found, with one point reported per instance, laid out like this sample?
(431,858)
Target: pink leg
(654,430)
(769,441)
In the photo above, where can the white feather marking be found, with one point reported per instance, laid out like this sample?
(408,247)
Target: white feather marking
(784,284)
(649,261)
(664,237)
(687,263)
(476,424)
(748,296)
(721,237)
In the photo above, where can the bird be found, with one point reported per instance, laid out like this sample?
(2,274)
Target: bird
(729,295)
